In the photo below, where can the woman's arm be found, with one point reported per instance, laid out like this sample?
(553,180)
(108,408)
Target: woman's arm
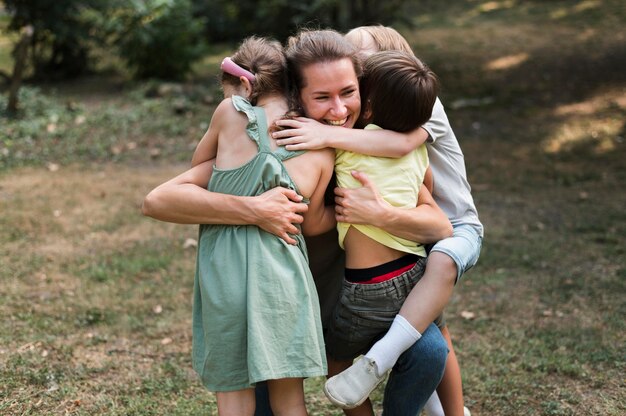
(426,223)
(305,134)
(185,200)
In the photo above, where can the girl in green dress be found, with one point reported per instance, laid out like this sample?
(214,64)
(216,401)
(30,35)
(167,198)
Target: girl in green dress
(256,312)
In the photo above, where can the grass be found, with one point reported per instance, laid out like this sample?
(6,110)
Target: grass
(95,300)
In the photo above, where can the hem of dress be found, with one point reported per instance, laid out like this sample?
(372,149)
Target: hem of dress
(252,383)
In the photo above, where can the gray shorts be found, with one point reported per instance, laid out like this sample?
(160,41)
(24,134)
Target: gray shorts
(365,312)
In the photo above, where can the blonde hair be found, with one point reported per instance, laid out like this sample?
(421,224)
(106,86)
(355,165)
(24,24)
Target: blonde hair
(385,38)
(263,57)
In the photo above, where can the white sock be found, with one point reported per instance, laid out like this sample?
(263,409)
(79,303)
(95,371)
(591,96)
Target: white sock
(388,349)
(433,406)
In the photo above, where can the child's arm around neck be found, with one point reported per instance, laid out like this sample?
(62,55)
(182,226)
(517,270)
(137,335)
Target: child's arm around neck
(306,134)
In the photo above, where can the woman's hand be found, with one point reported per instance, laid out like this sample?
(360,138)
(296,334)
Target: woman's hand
(426,223)
(303,133)
(362,205)
(277,211)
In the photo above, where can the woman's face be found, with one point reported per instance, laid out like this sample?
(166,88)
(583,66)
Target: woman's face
(330,93)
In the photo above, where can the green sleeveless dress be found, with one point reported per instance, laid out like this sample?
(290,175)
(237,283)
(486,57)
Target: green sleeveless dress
(255,310)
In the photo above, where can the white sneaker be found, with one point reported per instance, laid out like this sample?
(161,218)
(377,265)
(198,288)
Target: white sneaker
(466,411)
(352,387)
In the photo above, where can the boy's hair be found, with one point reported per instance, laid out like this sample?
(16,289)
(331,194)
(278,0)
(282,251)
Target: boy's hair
(310,47)
(263,57)
(398,89)
(385,38)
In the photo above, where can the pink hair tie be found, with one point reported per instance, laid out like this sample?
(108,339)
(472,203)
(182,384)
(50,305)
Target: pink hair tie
(232,68)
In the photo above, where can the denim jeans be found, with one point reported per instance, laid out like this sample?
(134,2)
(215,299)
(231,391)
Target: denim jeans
(463,247)
(365,312)
(416,375)
(411,382)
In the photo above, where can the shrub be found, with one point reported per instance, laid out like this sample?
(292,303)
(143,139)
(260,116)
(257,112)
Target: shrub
(157,38)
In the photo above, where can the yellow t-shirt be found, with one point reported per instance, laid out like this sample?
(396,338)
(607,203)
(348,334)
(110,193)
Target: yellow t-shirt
(397,179)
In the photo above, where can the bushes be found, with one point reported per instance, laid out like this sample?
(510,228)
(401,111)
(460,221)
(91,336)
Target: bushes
(162,38)
(158,38)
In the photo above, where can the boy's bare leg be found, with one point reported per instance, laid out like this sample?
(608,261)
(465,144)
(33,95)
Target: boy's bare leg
(431,294)
(287,397)
(235,403)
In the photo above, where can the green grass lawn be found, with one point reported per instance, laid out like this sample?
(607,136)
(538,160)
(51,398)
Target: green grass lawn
(95,300)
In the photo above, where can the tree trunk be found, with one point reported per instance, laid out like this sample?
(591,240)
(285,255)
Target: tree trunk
(20,52)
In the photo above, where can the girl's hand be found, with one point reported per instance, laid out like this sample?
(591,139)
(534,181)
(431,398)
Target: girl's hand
(303,133)
(362,205)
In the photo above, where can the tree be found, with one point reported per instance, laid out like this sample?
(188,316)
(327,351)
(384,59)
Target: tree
(157,38)
(60,42)
(18,68)
(228,20)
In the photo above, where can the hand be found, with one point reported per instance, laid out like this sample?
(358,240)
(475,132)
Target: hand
(362,205)
(277,210)
(302,133)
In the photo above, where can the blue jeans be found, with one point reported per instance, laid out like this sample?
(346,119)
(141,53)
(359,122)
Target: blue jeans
(416,375)
(413,379)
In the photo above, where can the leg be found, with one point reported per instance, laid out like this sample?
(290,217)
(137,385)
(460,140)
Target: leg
(450,389)
(416,375)
(422,306)
(448,260)
(287,397)
(235,403)
(431,294)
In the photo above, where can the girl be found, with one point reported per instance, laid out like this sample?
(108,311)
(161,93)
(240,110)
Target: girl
(256,312)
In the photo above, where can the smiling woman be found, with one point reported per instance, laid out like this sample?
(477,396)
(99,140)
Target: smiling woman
(325,71)
(331,93)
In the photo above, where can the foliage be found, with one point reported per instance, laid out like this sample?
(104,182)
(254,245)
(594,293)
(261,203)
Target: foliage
(227,20)
(60,45)
(49,130)
(157,38)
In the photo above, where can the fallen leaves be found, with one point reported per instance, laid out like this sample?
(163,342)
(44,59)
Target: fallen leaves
(468,315)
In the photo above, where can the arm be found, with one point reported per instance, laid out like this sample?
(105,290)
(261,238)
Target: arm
(320,218)
(207,148)
(305,134)
(185,200)
(426,223)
